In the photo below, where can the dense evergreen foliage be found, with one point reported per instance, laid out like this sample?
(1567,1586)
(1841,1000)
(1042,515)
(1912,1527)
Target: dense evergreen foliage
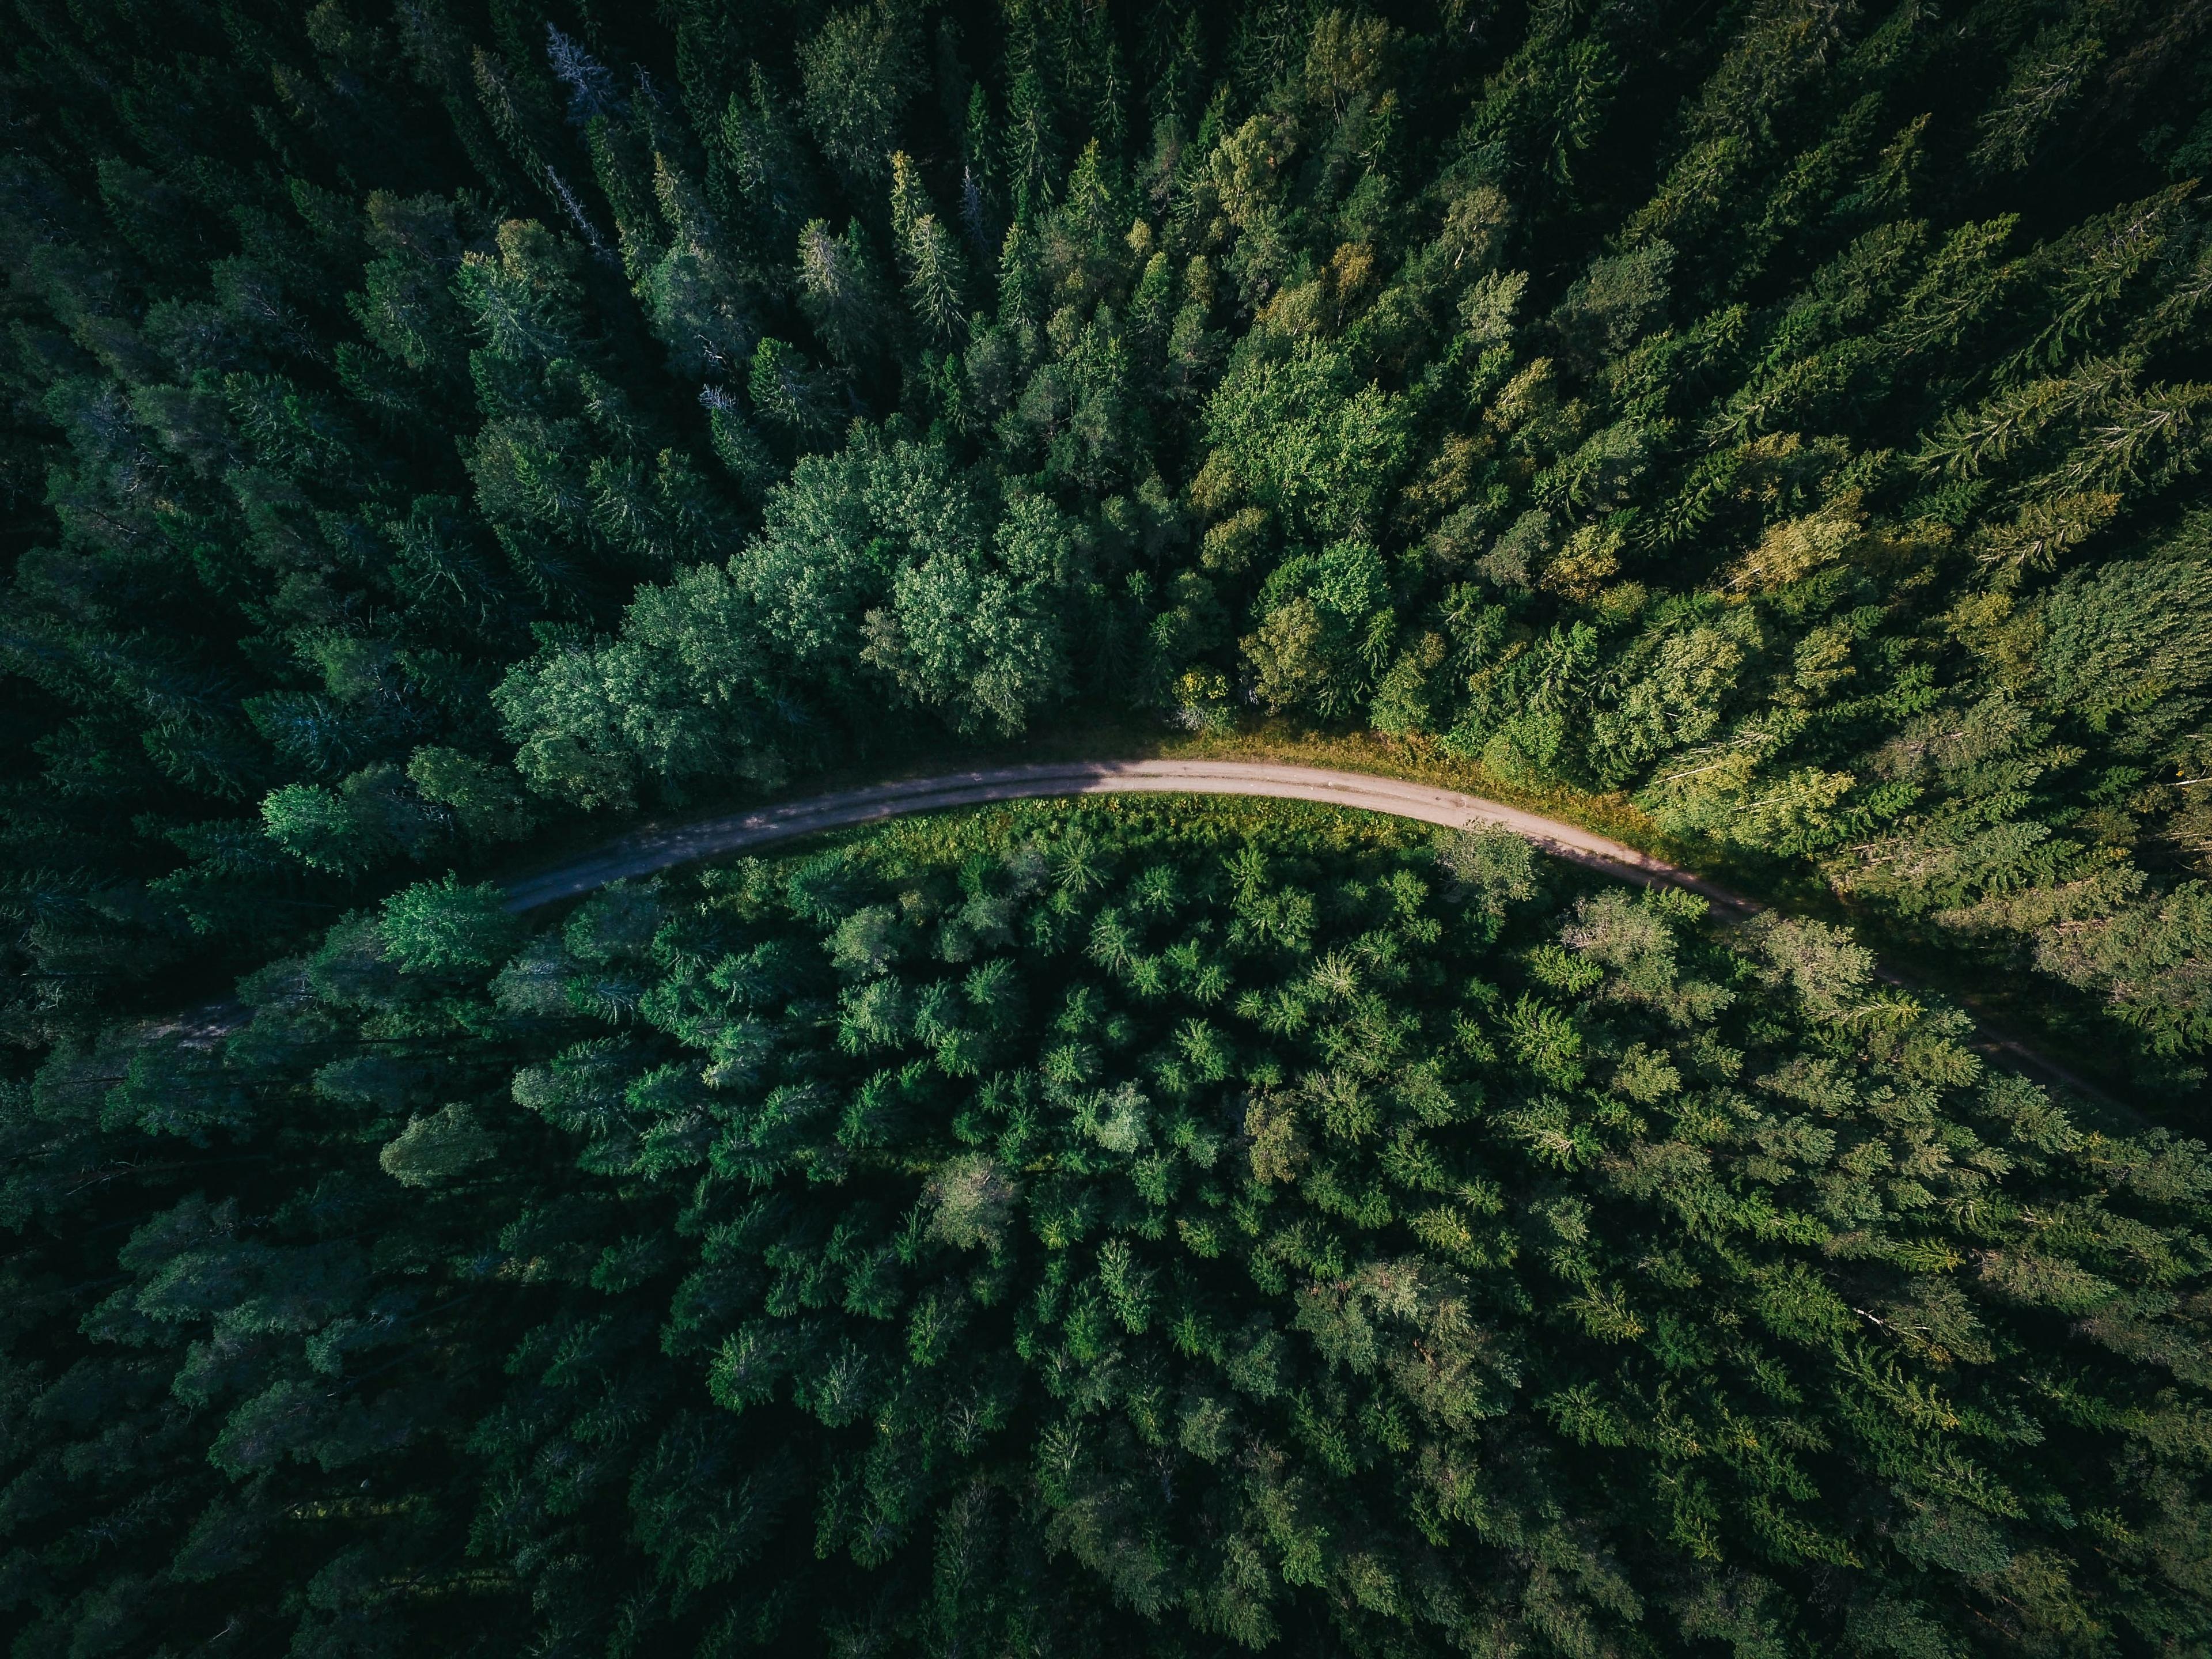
(427,419)
(1072,1230)
(1178,1230)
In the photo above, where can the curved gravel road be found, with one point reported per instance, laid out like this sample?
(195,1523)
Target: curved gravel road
(648,850)
(643,851)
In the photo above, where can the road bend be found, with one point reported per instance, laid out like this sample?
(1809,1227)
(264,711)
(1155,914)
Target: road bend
(643,851)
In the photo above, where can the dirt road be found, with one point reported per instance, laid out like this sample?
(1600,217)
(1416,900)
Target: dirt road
(643,851)
(646,851)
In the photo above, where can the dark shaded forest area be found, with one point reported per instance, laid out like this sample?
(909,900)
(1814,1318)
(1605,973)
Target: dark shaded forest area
(1173,1230)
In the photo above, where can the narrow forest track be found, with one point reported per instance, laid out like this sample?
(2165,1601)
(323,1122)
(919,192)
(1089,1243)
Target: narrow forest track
(644,851)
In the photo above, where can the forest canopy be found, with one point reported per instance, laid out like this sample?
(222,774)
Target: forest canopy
(1088,1228)
(440,433)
